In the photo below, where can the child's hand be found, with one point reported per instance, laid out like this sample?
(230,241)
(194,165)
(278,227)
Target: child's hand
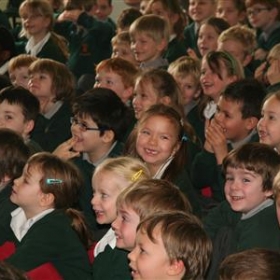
(259,72)
(73,15)
(273,72)
(216,137)
(65,151)
(260,54)
(191,53)
(207,146)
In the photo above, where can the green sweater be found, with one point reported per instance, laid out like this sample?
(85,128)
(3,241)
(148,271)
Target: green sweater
(51,239)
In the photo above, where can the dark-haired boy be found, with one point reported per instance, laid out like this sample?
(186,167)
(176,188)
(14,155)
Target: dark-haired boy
(234,124)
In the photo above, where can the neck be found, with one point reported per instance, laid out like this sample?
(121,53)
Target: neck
(99,153)
(39,36)
(46,104)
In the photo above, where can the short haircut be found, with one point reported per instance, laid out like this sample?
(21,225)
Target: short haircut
(218,24)
(121,38)
(66,180)
(105,108)
(152,26)
(274,52)
(250,93)
(127,17)
(185,66)
(125,69)
(13,154)
(183,238)
(241,34)
(147,197)
(257,264)
(22,60)
(63,81)
(239,5)
(129,168)
(23,98)
(258,158)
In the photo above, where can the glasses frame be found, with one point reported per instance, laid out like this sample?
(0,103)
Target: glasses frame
(256,11)
(83,127)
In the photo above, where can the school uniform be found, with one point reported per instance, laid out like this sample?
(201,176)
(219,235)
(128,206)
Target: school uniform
(53,128)
(33,147)
(159,62)
(89,43)
(175,49)
(190,37)
(50,239)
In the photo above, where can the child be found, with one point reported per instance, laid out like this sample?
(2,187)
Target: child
(233,11)
(89,39)
(99,123)
(103,10)
(218,69)
(199,11)
(53,84)
(121,47)
(172,12)
(39,227)
(268,125)
(186,71)
(118,75)
(109,179)
(255,264)
(163,143)
(240,41)
(149,38)
(18,69)
(264,17)
(208,34)
(126,18)
(13,156)
(170,245)
(276,193)
(248,216)
(37,22)
(234,124)
(19,110)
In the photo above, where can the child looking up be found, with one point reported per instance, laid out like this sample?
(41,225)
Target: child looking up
(19,110)
(248,215)
(37,22)
(172,12)
(109,179)
(18,69)
(53,84)
(39,227)
(170,245)
(149,38)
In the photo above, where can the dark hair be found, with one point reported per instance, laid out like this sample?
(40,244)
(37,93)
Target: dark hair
(24,98)
(127,17)
(105,108)
(256,157)
(218,24)
(250,93)
(13,154)
(7,42)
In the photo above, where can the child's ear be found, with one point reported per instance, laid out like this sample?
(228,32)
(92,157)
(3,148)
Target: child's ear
(248,58)
(46,199)
(161,45)
(251,123)
(165,100)
(127,93)
(108,136)
(176,268)
(268,193)
(28,127)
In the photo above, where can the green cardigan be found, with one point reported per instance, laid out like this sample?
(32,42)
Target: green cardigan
(52,239)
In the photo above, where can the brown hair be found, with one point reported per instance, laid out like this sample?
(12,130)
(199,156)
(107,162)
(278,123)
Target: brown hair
(22,60)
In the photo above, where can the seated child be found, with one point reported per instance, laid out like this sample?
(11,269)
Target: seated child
(149,39)
(99,123)
(110,178)
(19,110)
(121,47)
(257,264)
(118,75)
(143,198)
(170,245)
(248,215)
(264,17)
(240,41)
(126,18)
(186,71)
(233,11)
(53,84)
(40,228)
(18,69)
(13,156)
(233,125)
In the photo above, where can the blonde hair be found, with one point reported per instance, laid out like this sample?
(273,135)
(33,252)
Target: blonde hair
(274,52)
(153,26)
(131,169)
(242,34)
(22,60)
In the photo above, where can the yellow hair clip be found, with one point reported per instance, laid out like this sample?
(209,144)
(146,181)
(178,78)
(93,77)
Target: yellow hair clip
(137,175)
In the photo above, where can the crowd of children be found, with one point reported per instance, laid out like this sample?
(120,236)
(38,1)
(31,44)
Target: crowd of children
(145,147)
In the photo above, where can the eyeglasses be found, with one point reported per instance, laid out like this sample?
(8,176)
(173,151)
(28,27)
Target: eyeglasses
(256,11)
(83,127)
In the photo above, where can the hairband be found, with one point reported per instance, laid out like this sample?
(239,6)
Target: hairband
(52,181)
(137,175)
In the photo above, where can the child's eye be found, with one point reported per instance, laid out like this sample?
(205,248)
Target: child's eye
(164,137)
(229,178)
(110,83)
(104,195)
(245,180)
(142,251)
(8,117)
(144,131)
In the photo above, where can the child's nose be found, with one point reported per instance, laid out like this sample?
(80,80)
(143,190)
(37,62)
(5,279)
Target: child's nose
(131,255)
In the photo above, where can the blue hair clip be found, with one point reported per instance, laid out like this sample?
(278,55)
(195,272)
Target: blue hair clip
(184,138)
(51,181)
